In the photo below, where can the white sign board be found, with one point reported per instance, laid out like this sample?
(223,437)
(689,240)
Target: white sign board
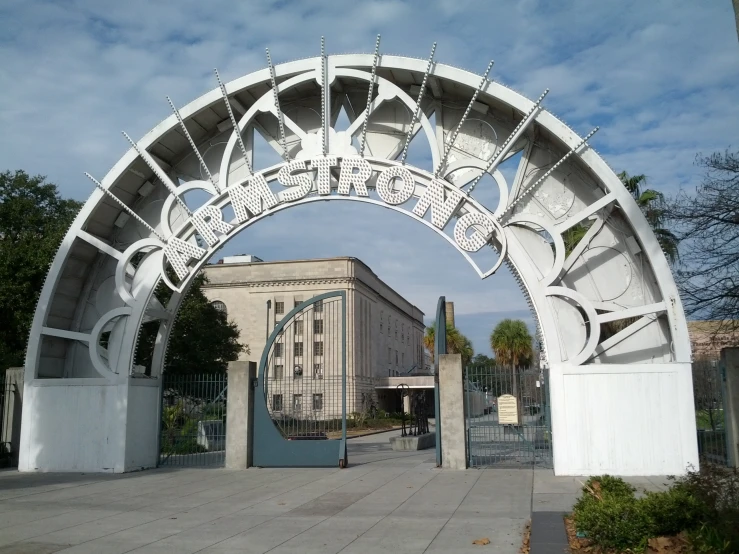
(507,410)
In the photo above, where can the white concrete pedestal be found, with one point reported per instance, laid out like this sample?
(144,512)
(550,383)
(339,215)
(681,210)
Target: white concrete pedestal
(90,425)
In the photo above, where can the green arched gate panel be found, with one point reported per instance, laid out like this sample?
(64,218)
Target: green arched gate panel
(300,400)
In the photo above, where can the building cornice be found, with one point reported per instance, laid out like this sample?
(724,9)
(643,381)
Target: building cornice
(280,283)
(356,282)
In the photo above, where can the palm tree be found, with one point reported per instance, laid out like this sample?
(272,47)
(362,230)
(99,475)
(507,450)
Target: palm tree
(456,342)
(653,206)
(512,344)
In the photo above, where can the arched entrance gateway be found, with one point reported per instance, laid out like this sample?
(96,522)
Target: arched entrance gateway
(621,395)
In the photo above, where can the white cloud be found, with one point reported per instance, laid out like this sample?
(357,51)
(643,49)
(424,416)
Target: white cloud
(661,77)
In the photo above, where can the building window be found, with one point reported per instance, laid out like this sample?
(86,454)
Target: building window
(298,349)
(297,402)
(279,371)
(382,316)
(318,371)
(298,326)
(297,303)
(318,348)
(298,372)
(276,402)
(219,306)
(279,307)
(318,402)
(389,355)
(278,350)
(396,357)
(318,326)
(318,306)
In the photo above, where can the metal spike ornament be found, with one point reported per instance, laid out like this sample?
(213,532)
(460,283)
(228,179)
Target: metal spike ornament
(547,174)
(417,113)
(506,146)
(448,147)
(163,177)
(192,144)
(123,205)
(375,59)
(233,122)
(280,119)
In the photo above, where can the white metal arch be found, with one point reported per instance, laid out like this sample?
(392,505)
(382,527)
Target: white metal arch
(93,287)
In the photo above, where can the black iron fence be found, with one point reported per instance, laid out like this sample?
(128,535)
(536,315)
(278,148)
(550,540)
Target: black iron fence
(5,446)
(193,425)
(709,393)
(507,417)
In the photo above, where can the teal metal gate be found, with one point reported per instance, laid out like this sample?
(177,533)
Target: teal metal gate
(507,417)
(300,400)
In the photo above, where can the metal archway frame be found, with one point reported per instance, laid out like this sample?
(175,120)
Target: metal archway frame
(616,272)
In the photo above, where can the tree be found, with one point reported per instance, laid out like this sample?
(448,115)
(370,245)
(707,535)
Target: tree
(33,221)
(202,339)
(512,344)
(654,207)
(456,342)
(482,359)
(708,227)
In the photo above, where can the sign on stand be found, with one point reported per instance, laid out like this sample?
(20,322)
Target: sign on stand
(508,410)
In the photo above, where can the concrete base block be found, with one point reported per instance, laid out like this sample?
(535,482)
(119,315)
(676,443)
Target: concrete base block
(419,442)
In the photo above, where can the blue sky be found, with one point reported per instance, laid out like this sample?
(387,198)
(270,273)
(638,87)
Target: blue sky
(660,77)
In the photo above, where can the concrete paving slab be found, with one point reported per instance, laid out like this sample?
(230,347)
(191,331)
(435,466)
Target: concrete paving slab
(384,502)
(459,533)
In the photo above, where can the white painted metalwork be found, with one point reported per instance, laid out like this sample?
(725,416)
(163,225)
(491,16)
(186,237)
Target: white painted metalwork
(609,314)
(448,146)
(419,100)
(280,117)
(373,73)
(192,143)
(233,121)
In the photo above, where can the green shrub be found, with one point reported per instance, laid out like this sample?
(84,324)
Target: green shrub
(596,487)
(709,540)
(716,489)
(182,446)
(672,511)
(619,522)
(704,504)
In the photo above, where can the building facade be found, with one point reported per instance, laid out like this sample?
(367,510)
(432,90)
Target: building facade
(384,335)
(707,338)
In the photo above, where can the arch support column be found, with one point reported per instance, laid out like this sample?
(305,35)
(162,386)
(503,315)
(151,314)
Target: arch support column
(628,419)
(75,425)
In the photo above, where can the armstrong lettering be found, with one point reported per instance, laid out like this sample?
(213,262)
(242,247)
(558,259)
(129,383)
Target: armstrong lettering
(325,175)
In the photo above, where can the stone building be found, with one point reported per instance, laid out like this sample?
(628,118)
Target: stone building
(707,338)
(384,331)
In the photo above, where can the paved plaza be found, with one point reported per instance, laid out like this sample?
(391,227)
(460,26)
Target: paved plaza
(384,502)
